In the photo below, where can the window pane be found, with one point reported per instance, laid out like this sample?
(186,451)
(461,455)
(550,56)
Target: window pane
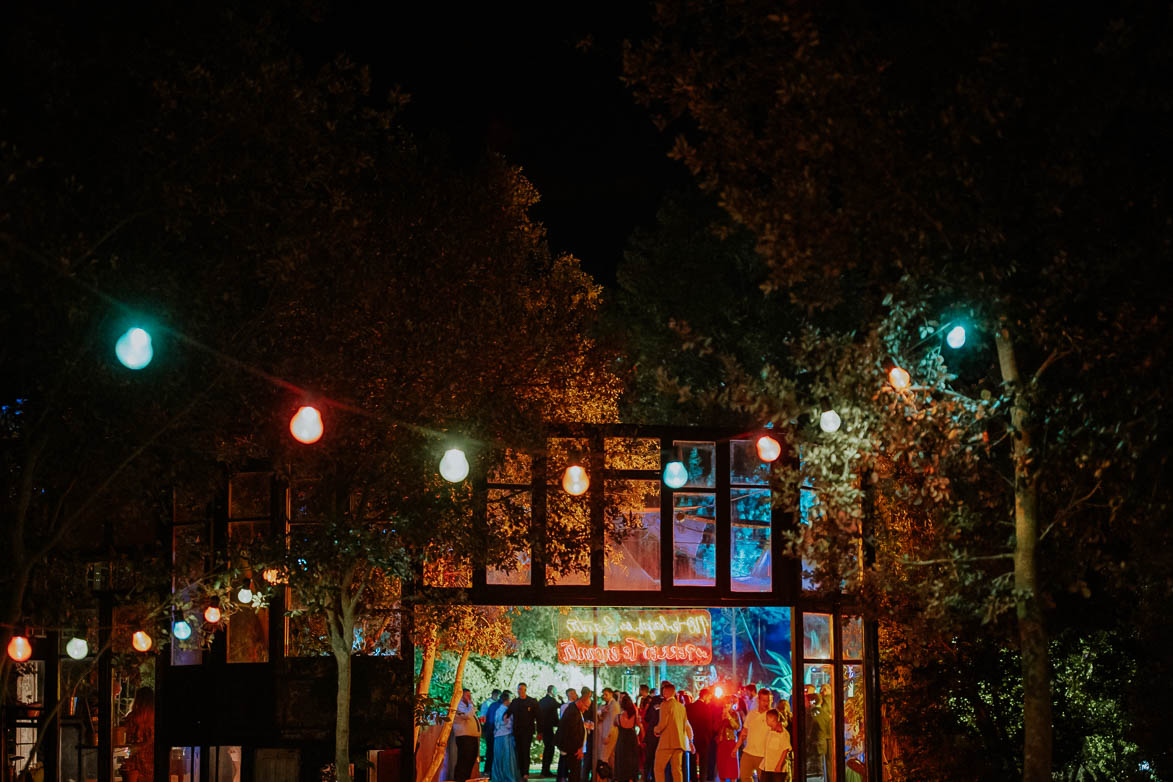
(700,461)
(751,555)
(806,511)
(188,550)
(633,540)
(248,496)
(694,538)
(185,764)
(510,466)
(745,467)
(819,741)
(508,513)
(817,643)
(852,637)
(568,545)
(225,764)
(134,715)
(248,627)
(854,722)
(631,453)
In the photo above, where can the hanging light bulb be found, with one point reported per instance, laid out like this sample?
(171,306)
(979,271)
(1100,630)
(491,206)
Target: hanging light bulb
(212,615)
(273,576)
(956,337)
(19,648)
(675,475)
(141,641)
(181,630)
(134,348)
(718,691)
(77,648)
(899,378)
(575,480)
(769,449)
(306,425)
(245,595)
(454,465)
(829,421)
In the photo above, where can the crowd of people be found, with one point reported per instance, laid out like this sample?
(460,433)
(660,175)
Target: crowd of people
(651,735)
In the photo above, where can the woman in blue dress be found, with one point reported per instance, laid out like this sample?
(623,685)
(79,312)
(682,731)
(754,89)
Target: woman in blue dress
(504,754)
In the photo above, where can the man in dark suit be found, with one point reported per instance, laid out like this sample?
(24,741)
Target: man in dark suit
(524,710)
(704,731)
(572,736)
(547,724)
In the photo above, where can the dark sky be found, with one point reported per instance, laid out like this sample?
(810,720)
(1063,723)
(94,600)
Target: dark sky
(510,77)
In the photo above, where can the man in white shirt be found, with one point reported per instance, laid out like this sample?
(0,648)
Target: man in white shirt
(608,713)
(753,736)
(467,730)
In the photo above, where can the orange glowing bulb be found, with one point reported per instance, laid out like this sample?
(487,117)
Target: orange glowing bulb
(211,615)
(718,691)
(19,648)
(769,449)
(273,576)
(899,378)
(306,425)
(141,641)
(575,480)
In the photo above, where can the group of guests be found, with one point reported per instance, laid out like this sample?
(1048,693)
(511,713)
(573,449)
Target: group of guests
(664,735)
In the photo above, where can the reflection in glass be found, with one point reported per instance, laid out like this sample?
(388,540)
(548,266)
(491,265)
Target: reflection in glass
(819,740)
(189,548)
(185,764)
(817,643)
(631,453)
(750,540)
(248,496)
(745,467)
(509,519)
(700,461)
(694,539)
(224,764)
(633,547)
(852,637)
(568,545)
(854,722)
(248,627)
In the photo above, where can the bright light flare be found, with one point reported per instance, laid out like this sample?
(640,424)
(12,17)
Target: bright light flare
(769,449)
(141,641)
(77,649)
(675,475)
(19,648)
(454,465)
(306,425)
(575,480)
(830,421)
(899,378)
(719,691)
(134,348)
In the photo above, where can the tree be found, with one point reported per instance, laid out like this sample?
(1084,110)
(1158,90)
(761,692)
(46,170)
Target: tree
(926,167)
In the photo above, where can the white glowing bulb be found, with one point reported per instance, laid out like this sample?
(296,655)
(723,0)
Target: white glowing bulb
(829,421)
(575,480)
(77,648)
(245,595)
(134,348)
(454,465)
(306,425)
(956,337)
(769,449)
(675,475)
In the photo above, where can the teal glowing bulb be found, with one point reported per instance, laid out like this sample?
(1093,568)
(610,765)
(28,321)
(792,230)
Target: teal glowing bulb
(134,348)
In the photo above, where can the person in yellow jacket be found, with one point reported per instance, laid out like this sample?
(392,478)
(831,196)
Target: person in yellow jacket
(674,733)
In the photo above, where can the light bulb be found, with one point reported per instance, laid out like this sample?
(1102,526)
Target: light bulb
(829,421)
(718,691)
(956,337)
(141,641)
(575,480)
(899,378)
(77,648)
(245,595)
(454,465)
(306,425)
(134,348)
(181,630)
(19,648)
(675,475)
(769,449)
(273,576)
(211,615)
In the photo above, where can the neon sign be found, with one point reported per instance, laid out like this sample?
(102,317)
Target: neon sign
(624,637)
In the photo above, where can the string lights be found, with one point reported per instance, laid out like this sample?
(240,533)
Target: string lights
(575,480)
(134,349)
(245,595)
(769,449)
(675,475)
(829,421)
(956,337)
(306,425)
(181,630)
(212,615)
(454,465)
(141,641)
(19,648)
(77,648)
(899,378)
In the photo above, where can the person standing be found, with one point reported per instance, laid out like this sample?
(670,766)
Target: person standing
(504,759)
(728,729)
(651,738)
(776,759)
(753,737)
(608,713)
(822,718)
(524,711)
(571,736)
(626,765)
(467,729)
(674,735)
(701,717)
(491,717)
(547,724)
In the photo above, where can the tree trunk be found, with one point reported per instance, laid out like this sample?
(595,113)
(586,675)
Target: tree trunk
(342,704)
(425,682)
(446,730)
(1032,633)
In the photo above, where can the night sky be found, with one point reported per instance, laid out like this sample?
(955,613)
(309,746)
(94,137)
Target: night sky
(517,79)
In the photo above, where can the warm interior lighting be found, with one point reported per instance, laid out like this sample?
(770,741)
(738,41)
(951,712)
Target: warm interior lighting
(769,449)
(575,480)
(19,648)
(141,641)
(306,425)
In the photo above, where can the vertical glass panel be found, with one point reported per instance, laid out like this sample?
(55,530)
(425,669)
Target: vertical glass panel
(852,637)
(185,764)
(694,540)
(561,451)
(248,496)
(817,643)
(806,511)
(568,545)
(633,536)
(819,740)
(700,461)
(751,553)
(279,765)
(134,720)
(854,723)
(745,467)
(224,764)
(189,547)
(248,627)
(510,466)
(508,515)
(631,453)
(442,569)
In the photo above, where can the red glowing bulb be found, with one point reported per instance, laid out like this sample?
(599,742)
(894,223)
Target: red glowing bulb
(19,648)
(306,425)
(769,449)
(211,615)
